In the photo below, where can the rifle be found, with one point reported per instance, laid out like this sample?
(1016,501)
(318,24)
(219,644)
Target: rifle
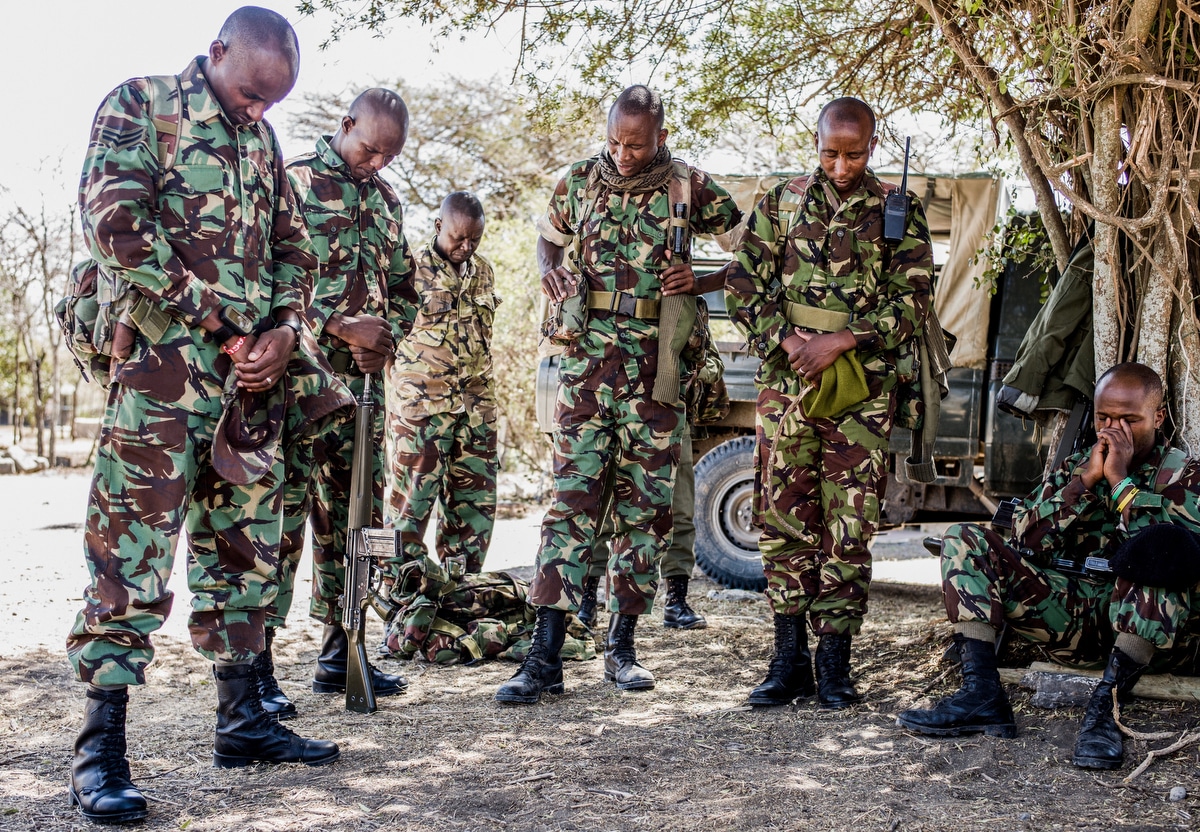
(365,547)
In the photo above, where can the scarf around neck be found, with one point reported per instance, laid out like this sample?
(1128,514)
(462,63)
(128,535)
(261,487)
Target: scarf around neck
(652,178)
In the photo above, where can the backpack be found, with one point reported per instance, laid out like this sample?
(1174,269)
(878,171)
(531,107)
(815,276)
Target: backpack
(98,298)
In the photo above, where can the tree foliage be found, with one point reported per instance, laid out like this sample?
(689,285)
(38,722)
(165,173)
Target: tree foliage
(1097,99)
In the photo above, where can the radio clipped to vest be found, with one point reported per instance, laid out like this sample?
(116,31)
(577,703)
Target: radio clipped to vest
(895,206)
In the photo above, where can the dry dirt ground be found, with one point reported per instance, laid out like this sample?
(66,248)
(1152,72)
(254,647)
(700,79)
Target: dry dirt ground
(685,756)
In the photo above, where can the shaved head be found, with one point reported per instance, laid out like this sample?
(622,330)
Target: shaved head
(1137,375)
(382,104)
(464,204)
(846,111)
(639,100)
(252,28)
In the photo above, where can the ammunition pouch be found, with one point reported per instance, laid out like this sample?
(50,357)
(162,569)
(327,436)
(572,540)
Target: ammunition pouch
(568,320)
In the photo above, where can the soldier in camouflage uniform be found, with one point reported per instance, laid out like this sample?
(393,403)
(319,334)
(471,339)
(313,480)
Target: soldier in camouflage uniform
(441,396)
(815,287)
(605,414)
(361,303)
(217,236)
(1127,500)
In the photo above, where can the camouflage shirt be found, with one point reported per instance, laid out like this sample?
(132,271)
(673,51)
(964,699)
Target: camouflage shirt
(1064,519)
(222,231)
(357,230)
(838,261)
(624,248)
(445,363)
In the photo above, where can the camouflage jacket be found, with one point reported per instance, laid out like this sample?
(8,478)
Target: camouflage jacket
(223,230)
(357,230)
(1064,519)
(445,363)
(624,248)
(838,261)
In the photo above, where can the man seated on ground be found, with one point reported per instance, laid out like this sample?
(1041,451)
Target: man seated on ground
(1130,499)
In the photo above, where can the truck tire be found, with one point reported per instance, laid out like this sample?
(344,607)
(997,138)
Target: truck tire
(726,539)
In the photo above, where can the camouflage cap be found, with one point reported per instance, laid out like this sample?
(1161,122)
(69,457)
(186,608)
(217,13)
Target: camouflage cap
(248,433)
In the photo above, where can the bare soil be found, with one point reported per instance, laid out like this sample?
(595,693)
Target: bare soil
(686,756)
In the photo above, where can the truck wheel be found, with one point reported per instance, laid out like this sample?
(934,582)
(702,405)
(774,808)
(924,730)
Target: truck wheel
(726,539)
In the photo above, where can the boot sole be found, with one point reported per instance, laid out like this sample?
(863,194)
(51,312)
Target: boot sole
(763,702)
(1004,732)
(699,625)
(1101,763)
(643,685)
(513,699)
(228,761)
(132,816)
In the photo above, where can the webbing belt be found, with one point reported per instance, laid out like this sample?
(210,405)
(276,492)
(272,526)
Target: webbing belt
(810,317)
(623,304)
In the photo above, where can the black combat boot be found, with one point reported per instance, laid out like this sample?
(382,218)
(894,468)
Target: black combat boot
(246,734)
(330,676)
(790,673)
(979,705)
(834,688)
(587,601)
(677,614)
(1099,743)
(542,668)
(274,701)
(620,657)
(100,782)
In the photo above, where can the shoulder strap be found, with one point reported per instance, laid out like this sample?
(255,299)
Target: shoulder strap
(791,201)
(166,114)
(679,192)
(1170,469)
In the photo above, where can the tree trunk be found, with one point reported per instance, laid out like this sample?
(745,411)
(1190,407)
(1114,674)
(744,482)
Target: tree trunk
(1106,285)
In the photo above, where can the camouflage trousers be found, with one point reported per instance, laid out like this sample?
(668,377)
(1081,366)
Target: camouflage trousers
(639,440)
(445,460)
(1075,619)
(317,491)
(824,478)
(153,478)
(680,558)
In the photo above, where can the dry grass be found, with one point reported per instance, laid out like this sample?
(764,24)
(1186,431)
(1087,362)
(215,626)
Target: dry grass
(687,756)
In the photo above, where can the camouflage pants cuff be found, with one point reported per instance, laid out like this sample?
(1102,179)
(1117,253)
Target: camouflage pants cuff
(324,611)
(824,625)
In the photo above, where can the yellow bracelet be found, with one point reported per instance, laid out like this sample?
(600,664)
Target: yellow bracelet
(1126,500)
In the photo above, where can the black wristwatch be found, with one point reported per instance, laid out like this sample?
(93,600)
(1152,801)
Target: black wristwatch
(233,325)
(293,324)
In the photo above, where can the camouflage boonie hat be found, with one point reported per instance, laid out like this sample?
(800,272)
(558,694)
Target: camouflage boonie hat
(568,320)
(248,433)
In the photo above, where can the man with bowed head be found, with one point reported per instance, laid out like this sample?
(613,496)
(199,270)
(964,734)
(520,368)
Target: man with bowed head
(614,212)
(361,304)
(216,242)
(442,397)
(831,307)
(1131,501)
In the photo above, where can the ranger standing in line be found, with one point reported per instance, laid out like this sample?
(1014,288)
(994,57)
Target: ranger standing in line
(362,303)
(442,399)
(825,301)
(1130,501)
(216,242)
(615,212)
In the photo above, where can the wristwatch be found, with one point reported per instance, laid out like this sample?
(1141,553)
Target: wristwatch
(293,324)
(233,325)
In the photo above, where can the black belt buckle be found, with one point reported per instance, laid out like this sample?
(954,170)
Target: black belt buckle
(627,305)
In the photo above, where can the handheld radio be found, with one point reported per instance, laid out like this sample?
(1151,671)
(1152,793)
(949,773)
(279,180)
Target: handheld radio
(895,207)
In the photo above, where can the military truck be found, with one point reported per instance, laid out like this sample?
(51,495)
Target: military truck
(981,456)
